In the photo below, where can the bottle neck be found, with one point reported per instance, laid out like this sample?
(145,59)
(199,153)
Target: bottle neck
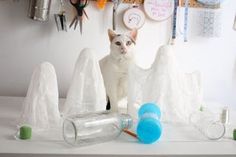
(126,121)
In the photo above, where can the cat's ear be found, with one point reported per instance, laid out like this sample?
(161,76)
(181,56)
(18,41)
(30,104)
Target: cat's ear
(111,34)
(133,34)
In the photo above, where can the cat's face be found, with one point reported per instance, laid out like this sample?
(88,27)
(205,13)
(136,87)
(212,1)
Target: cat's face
(122,45)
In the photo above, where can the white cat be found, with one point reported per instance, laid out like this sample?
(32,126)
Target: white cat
(114,67)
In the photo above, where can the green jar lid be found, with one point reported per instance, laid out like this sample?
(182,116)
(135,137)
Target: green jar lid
(234,134)
(25,132)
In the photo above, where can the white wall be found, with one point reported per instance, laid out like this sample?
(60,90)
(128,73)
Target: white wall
(25,43)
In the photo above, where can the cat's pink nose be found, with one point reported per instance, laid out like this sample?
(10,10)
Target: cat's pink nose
(124,52)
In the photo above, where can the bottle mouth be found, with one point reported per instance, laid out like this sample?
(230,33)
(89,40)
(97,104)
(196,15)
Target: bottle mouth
(215,131)
(69,132)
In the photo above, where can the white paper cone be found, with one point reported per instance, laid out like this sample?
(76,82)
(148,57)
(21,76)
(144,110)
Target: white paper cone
(40,107)
(87,91)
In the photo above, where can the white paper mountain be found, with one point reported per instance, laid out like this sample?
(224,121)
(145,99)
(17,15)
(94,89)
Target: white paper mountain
(40,107)
(178,94)
(87,91)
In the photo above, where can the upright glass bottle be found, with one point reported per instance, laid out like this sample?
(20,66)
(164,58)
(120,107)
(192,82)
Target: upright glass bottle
(86,129)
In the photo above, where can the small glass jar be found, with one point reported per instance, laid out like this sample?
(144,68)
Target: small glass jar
(208,125)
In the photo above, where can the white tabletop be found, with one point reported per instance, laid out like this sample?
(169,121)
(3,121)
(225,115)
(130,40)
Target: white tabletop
(123,146)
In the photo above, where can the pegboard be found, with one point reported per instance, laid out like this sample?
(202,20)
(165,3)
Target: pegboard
(133,1)
(191,3)
(194,4)
(129,1)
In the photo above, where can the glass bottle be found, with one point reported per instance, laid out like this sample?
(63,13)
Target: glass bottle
(86,129)
(208,125)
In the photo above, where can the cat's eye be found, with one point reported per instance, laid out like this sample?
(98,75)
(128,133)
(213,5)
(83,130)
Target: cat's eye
(118,43)
(128,43)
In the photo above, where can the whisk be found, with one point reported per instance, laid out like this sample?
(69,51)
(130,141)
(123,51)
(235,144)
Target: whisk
(60,18)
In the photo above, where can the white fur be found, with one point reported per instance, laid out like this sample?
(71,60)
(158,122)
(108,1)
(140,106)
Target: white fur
(114,68)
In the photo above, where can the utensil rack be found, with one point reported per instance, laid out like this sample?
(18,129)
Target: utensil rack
(194,4)
(129,1)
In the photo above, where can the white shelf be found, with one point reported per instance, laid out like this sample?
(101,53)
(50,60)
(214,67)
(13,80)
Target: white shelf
(124,146)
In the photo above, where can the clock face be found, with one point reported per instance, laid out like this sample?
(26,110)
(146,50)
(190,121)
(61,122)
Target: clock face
(134,18)
(158,10)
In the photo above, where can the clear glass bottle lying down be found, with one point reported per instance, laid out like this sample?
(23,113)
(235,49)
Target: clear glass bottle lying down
(92,128)
(208,125)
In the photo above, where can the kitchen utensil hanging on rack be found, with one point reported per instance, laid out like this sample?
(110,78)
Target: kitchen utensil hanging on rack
(174,21)
(79,5)
(234,26)
(116,4)
(134,17)
(39,10)
(60,18)
(186,6)
(210,3)
(210,18)
(101,4)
